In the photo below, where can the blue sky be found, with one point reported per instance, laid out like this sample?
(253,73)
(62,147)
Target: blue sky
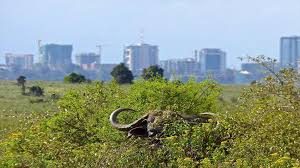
(239,27)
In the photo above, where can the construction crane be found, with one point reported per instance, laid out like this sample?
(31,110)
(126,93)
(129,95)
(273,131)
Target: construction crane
(39,51)
(100,52)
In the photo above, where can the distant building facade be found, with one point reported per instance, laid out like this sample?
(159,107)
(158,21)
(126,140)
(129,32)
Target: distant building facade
(138,57)
(180,67)
(105,71)
(22,61)
(253,68)
(88,61)
(289,51)
(212,61)
(56,56)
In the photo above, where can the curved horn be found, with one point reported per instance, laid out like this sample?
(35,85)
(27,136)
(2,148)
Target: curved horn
(207,115)
(124,127)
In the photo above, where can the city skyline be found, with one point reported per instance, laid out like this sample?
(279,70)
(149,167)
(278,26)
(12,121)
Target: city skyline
(177,27)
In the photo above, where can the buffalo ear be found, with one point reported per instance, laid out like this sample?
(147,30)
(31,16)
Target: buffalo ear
(151,118)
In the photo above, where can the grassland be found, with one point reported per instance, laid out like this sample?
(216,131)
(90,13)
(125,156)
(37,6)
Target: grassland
(17,109)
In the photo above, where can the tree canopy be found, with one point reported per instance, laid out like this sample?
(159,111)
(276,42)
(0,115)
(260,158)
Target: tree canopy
(122,74)
(74,78)
(153,71)
(21,80)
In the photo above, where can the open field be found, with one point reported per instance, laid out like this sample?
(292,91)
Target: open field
(231,92)
(16,108)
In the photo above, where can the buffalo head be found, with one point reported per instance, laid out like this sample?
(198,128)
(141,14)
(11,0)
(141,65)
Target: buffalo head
(151,124)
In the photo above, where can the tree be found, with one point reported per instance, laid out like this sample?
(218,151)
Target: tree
(21,80)
(74,78)
(122,74)
(153,71)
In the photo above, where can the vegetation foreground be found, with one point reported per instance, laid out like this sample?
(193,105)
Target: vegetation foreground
(259,129)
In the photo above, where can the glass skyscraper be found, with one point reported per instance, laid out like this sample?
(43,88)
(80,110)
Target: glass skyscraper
(289,51)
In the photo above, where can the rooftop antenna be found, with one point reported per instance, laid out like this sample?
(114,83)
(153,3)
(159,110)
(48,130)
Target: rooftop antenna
(142,36)
(100,68)
(196,55)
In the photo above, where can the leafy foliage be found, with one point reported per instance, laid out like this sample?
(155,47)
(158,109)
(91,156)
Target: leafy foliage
(74,78)
(122,74)
(153,71)
(36,91)
(261,130)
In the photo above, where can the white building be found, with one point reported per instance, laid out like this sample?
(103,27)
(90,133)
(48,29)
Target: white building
(139,57)
(88,61)
(23,61)
(180,67)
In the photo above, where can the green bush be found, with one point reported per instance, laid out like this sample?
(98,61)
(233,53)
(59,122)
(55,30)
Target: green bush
(74,78)
(261,131)
(83,120)
(36,91)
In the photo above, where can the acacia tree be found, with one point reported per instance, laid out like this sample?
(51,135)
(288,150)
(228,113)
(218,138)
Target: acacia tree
(21,80)
(153,71)
(122,74)
(74,78)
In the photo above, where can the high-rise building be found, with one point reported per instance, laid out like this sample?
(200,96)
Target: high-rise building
(56,56)
(88,61)
(289,51)
(138,57)
(212,60)
(22,61)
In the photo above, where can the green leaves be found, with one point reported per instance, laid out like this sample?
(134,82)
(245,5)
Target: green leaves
(74,78)
(262,130)
(152,72)
(122,74)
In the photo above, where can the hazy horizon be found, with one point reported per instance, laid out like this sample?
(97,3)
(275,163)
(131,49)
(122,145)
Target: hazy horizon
(176,26)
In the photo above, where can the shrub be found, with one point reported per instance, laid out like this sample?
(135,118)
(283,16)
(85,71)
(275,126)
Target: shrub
(261,131)
(81,133)
(36,91)
(74,78)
